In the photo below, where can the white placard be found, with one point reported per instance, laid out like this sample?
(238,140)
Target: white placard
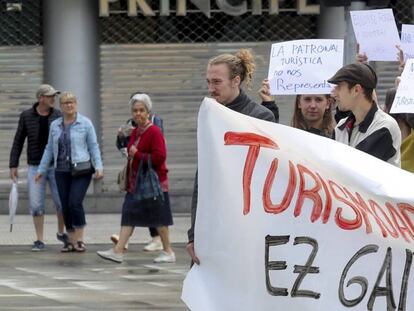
(404,98)
(376,33)
(304,66)
(407,41)
(289,220)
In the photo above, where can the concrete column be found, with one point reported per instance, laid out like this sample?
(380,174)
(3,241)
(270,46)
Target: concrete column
(71,52)
(331,23)
(350,40)
(412,13)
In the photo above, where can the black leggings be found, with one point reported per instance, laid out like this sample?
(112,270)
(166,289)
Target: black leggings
(153,231)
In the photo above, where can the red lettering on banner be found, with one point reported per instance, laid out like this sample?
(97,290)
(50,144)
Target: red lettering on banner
(404,208)
(312,194)
(269,207)
(363,207)
(347,224)
(399,222)
(254,141)
(374,206)
(328,201)
(313,187)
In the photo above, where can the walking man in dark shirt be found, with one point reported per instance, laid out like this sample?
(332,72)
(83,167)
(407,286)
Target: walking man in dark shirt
(34,125)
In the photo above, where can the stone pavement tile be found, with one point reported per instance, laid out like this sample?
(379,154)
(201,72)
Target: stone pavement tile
(98,230)
(51,280)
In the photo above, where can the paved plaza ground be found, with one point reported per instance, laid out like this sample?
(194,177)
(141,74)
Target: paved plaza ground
(51,280)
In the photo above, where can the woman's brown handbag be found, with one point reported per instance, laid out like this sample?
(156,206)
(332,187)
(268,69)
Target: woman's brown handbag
(123,178)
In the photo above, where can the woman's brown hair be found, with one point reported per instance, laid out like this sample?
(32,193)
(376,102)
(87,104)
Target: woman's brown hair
(328,123)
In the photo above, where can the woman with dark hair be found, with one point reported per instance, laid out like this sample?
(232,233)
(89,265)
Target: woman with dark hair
(313,113)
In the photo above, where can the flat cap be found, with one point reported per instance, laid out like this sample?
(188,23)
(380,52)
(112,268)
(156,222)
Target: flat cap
(46,90)
(357,73)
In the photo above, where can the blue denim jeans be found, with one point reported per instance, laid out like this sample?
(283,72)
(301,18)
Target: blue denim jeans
(37,191)
(72,191)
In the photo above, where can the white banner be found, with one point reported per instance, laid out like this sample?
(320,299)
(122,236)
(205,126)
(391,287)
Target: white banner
(304,66)
(404,98)
(376,33)
(288,220)
(407,40)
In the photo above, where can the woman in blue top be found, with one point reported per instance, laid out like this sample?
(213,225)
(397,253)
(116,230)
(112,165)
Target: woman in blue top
(72,143)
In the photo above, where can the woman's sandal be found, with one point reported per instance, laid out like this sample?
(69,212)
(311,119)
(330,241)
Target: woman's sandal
(80,247)
(68,248)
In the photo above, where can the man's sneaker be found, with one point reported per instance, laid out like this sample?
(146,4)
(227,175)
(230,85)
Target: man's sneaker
(154,245)
(165,257)
(115,238)
(38,246)
(63,237)
(111,255)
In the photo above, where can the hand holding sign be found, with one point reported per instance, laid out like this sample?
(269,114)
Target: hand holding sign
(361,57)
(264,91)
(407,42)
(401,59)
(404,99)
(376,33)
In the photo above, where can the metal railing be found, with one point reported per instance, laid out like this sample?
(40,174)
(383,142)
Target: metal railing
(21,22)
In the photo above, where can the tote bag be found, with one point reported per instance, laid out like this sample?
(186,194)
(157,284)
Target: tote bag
(147,187)
(123,178)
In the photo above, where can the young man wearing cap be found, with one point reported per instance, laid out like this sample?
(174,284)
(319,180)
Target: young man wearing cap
(367,128)
(34,124)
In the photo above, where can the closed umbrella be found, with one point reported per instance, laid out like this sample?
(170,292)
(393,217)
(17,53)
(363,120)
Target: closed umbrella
(13,199)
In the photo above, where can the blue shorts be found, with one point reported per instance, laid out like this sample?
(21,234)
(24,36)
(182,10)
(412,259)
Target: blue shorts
(37,191)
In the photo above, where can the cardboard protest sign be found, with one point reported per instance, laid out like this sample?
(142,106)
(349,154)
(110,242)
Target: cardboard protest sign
(407,40)
(304,66)
(404,98)
(289,220)
(376,33)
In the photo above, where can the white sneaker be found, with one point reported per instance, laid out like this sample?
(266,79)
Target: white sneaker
(111,255)
(165,257)
(153,246)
